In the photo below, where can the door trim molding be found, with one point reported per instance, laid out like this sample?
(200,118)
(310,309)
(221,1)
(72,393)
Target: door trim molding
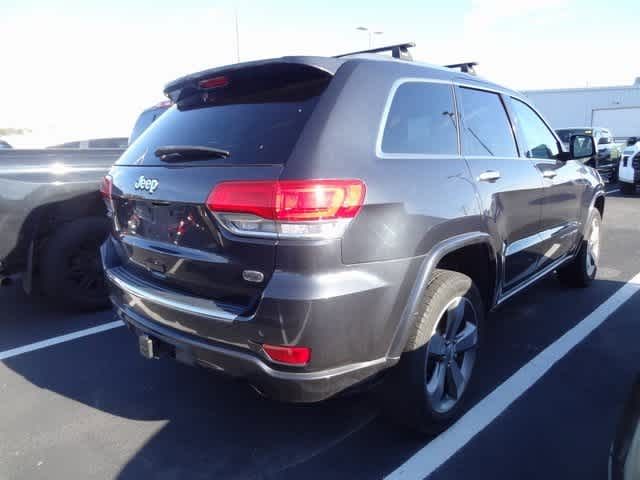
(534,278)
(543,236)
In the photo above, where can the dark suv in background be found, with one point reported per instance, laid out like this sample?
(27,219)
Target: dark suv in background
(608,153)
(310,224)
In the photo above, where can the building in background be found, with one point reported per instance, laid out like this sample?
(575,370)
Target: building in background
(615,108)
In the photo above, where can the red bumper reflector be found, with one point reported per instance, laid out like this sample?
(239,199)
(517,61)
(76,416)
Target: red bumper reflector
(288,355)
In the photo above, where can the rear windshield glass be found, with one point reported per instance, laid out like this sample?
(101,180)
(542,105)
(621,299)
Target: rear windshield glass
(257,118)
(145,119)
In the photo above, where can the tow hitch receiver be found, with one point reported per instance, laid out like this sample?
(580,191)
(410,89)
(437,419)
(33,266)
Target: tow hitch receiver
(146,345)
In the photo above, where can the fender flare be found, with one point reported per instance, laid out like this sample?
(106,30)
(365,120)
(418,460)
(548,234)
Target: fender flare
(30,237)
(88,204)
(600,193)
(431,259)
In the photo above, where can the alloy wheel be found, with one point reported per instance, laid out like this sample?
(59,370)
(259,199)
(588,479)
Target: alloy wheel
(593,247)
(451,354)
(85,270)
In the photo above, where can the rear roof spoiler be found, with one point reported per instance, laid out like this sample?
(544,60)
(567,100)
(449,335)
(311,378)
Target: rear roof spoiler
(174,89)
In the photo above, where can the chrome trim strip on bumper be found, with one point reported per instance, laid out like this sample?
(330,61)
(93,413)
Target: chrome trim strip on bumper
(165,298)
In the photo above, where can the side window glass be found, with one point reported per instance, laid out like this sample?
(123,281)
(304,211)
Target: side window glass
(486,130)
(538,139)
(421,120)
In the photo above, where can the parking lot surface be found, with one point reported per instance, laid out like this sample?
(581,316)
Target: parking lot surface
(91,407)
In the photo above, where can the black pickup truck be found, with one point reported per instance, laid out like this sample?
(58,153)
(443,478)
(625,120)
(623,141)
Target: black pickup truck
(53,219)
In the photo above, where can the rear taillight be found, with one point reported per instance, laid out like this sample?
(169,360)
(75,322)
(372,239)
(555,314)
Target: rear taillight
(163,104)
(287,208)
(106,190)
(106,187)
(298,356)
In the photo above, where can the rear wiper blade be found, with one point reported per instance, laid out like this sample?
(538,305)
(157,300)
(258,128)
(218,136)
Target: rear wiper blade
(177,153)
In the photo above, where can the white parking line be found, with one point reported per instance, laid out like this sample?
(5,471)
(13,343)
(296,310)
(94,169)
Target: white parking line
(60,339)
(443,447)
(615,190)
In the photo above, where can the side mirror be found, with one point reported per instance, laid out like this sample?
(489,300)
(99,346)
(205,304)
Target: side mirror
(582,147)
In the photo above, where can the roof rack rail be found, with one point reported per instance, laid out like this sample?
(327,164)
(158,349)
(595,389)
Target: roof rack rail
(400,51)
(466,67)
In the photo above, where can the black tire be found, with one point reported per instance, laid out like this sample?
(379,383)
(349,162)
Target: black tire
(405,393)
(70,269)
(627,188)
(578,273)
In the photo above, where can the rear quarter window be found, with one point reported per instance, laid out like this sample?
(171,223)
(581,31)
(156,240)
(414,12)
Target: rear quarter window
(421,121)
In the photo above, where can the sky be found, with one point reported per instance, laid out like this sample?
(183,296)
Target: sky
(75,69)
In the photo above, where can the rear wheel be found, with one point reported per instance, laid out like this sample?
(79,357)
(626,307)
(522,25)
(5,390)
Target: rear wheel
(583,268)
(425,389)
(627,188)
(70,267)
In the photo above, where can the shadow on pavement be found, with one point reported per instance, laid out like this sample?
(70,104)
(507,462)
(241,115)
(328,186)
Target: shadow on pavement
(26,318)
(218,428)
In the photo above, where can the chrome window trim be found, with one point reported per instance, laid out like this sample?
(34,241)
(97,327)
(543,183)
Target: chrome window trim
(431,156)
(486,89)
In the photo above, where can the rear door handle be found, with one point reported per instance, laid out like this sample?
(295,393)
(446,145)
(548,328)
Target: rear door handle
(549,174)
(489,176)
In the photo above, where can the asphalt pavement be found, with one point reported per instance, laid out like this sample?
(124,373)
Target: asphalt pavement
(91,407)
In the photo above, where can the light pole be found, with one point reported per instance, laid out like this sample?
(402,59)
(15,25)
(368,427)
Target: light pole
(371,33)
(237,35)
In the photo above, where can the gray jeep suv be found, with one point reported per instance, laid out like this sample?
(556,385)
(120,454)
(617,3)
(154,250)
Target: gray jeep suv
(310,224)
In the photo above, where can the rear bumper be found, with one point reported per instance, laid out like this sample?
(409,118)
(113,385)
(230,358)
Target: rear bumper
(287,386)
(347,317)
